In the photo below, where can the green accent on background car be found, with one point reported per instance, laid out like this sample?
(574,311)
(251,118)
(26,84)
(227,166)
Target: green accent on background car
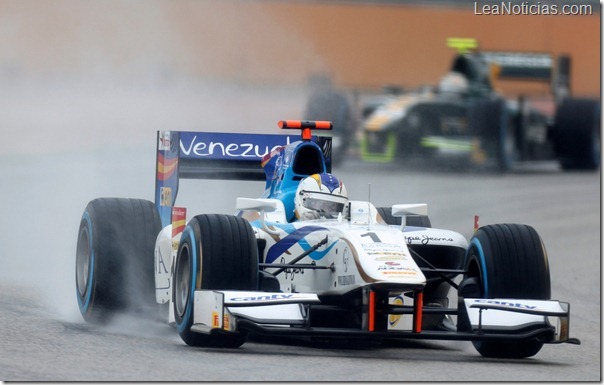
(462,145)
(461,44)
(379,157)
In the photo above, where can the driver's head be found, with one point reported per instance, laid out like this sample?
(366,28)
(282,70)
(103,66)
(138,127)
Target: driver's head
(454,82)
(320,196)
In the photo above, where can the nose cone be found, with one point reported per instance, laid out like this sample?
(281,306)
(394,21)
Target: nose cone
(383,255)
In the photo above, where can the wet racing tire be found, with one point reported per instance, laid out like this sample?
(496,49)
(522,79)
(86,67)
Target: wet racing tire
(216,252)
(508,261)
(114,258)
(577,137)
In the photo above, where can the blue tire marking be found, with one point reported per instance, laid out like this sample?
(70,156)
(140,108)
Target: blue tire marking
(84,306)
(185,319)
(483,265)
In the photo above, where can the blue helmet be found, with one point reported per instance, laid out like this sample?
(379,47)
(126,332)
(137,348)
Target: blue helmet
(320,195)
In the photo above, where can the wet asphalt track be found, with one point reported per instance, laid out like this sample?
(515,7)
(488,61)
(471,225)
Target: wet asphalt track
(46,188)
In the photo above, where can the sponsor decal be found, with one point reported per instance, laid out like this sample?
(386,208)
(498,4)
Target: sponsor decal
(506,303)
(179,217)
(230,146)
(262,298)
(160,264)
(226,322)
(425,239)
(383,247)
(390,266)
(394,318)
(165,194)
(344,280)
(389,256)
(346,258)
(166,179)
(291,273)
(164,141)
(397,272)
(215,320)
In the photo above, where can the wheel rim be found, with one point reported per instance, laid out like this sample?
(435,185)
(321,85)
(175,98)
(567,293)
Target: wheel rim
(182,282)
(83,259)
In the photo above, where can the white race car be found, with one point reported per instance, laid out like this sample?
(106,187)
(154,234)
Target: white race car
(305,261)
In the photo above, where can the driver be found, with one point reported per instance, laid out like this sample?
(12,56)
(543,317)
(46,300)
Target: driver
(453,83)
(320,196)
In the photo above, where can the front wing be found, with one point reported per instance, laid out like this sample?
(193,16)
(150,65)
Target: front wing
(288,315)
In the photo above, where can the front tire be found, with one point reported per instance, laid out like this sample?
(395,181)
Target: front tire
(114,258)
(216,252)
(508,261)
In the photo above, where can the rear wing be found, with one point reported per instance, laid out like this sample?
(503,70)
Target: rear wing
(510,65)
(205,155)
(521,65)
(542,67)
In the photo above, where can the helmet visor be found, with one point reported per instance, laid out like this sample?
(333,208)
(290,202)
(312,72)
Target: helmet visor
(327,205)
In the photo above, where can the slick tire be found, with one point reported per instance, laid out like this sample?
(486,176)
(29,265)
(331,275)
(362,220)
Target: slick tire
(412,220)
(216,252)
(508,261)
(577,137)
(114,259)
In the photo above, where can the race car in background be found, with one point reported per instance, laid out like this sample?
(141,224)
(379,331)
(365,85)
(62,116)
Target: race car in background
(465,119)
(304,260)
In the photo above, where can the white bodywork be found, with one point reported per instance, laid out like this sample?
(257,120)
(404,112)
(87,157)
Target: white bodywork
(357,251)
(348,254)
(506,314)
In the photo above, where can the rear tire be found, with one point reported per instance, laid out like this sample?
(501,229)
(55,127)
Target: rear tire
(216,252)
(114,258)
(577,136)
(508,261)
